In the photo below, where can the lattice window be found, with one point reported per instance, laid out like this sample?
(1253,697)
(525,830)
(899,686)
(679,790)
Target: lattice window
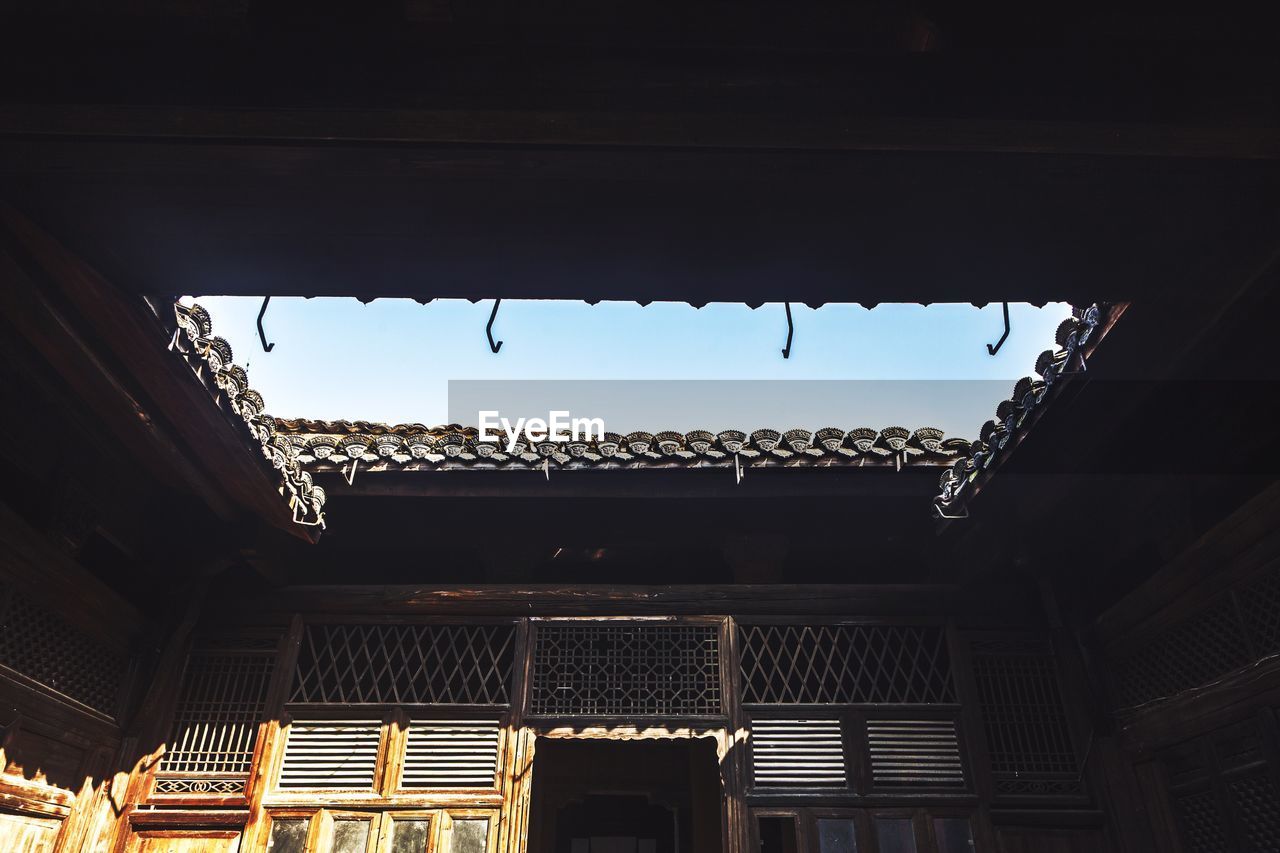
(215,726)
(1203,648)
(44,647)
(405,664)
(337,755)
(1202,830)
(451,754)
(1028,739)
(1223,789)
(845,664)
(626,670)
(915,754)
(1260,606)
(1257,804)
(797,753)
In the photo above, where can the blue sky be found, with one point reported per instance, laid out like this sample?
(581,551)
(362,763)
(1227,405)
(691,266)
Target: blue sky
(391,360)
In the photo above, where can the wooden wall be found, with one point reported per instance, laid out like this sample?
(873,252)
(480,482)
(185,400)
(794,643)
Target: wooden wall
(1005,807)
(1192,661)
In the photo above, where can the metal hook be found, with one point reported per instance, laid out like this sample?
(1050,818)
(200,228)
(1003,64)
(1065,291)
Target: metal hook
(937,507)
(786,351)
(266,347)
(992,350)
(488,329)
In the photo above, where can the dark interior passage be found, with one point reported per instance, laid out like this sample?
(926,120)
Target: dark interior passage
(625,797)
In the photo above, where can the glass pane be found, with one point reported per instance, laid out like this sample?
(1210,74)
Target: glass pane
(350,836)
(895,835)
(288,835)
(469,836)
(954,835)
(836,835)
(410,836)
(777,835)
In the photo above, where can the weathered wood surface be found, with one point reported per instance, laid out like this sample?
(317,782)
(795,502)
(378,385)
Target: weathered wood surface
(870,603)
(31,562)
(1241,544)
(638,129)
(158,390)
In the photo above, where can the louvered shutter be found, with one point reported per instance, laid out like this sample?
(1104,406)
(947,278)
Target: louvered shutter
(797,753)
(451,754)
(341,755)
(916,753)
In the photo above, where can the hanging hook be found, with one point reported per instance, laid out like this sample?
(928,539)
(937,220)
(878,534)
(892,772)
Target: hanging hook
(488,329)
(266,347)
(786,351)
(992,350)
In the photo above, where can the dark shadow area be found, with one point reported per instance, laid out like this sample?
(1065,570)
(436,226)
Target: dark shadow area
(594,796)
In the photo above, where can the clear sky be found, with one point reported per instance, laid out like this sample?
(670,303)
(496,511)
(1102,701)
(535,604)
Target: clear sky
(391,360)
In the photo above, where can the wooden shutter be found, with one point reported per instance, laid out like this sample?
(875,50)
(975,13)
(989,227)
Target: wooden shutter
(915,753)
(797,753)
(451,754)
(337,754)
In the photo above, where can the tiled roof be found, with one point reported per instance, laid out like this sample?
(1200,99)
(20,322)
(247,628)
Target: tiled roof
(298,447)
(195,342)
(327,445)
(1076,336)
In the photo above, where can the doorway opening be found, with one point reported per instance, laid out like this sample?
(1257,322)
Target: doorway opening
(599,796)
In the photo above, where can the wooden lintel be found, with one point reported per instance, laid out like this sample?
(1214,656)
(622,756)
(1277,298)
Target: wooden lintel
(865,602)
(913,483)
(686,130)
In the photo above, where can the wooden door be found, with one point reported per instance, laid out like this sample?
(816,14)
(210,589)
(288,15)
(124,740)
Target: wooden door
(23,834)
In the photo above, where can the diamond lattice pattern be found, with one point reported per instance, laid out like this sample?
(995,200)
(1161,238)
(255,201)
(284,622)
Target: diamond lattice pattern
(1258,804)
(405,664)
(1195,652)
(46,648)
(845,664)
(1260,606)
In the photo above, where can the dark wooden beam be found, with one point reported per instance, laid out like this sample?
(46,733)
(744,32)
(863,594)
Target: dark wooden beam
(911,485)
(1236,547)
(887,603)
(639,130)
(750,224)
(114,336)
(50,576)
(121,410)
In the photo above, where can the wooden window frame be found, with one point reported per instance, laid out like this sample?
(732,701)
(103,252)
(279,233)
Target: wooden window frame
(859,785)
(388,821)
(382,821)
(386,792)
(726,656)
(274,794)
(861,825)
(795,813)
(864,818)
(399,744)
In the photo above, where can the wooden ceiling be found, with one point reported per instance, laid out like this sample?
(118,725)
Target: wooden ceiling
(706,151)
(747,152)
